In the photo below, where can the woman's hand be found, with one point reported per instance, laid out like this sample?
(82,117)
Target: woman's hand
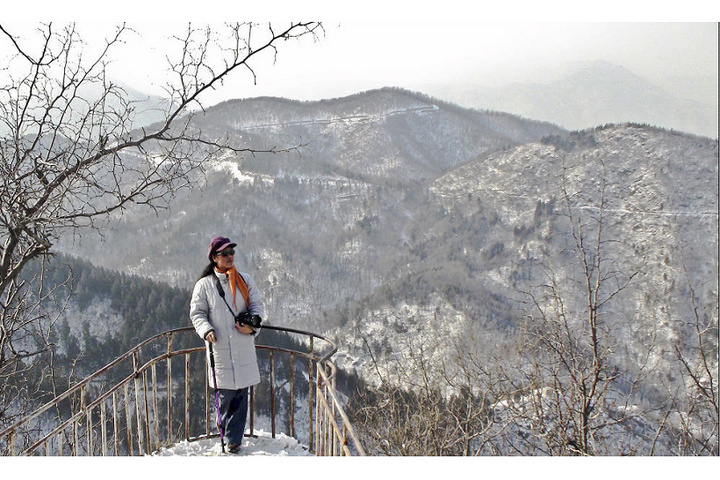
(246,329)
(210,337)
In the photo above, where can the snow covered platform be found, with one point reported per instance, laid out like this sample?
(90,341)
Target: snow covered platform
(261,445)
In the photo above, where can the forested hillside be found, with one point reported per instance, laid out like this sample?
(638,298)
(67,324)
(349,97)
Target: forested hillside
(101,314)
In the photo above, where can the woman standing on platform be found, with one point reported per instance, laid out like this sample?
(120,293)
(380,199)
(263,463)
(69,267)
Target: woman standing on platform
(226,310)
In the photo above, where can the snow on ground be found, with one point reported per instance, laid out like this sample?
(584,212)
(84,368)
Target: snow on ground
(262,445)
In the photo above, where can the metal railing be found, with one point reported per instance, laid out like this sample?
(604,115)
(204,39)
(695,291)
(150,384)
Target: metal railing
(136,405)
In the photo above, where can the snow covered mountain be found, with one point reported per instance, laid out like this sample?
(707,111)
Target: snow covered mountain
(496,226)
(316,223)
(394,211)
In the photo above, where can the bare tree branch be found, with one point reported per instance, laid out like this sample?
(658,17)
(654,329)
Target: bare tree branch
(70,157)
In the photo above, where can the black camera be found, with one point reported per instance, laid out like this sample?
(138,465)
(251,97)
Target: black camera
(248,319)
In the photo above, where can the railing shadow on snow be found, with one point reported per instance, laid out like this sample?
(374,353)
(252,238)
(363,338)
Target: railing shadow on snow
(147,399)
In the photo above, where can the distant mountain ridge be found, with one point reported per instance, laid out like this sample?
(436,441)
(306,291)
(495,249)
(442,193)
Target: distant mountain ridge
(410,133)
(594,94)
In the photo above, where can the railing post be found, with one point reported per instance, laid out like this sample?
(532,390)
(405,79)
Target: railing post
(333,386)
(140,429)
(187,396)
(76,439)
(11,443)
(311,388)
(116,424)
(77,434)
(128,419)
(103,430)
(89,432)
(148,437)
(272,393)
(169,389)
(292,395)
(156,413)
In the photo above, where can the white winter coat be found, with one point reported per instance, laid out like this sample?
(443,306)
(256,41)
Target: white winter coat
(235,360)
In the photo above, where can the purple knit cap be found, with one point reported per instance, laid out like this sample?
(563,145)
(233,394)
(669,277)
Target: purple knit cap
(218,244)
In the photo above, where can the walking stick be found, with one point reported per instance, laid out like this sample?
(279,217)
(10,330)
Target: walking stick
(217,401)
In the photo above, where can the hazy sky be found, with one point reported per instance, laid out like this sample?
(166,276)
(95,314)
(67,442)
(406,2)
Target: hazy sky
(416,45)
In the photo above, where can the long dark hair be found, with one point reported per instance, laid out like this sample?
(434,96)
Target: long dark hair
(210,268)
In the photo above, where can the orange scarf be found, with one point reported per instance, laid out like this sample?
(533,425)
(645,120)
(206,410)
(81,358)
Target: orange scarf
(237,282)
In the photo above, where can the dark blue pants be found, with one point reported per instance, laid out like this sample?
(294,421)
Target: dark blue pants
(233,414)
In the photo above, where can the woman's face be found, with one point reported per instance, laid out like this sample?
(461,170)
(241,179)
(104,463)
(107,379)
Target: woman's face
(224,259)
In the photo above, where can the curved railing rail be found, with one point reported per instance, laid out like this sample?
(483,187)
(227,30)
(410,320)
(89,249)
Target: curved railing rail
(136,405)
